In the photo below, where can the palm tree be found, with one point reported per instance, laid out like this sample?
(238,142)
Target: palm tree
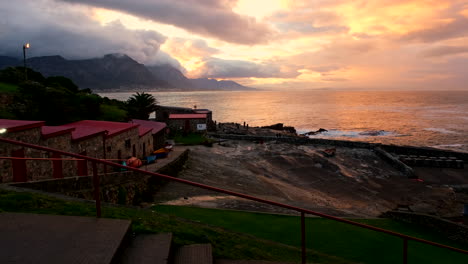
(141,105)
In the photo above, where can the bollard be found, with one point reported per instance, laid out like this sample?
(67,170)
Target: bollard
(465,214)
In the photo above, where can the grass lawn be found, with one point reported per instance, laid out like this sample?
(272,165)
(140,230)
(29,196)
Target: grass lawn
(329,237)
(226,244)
(190,139)
(8,88)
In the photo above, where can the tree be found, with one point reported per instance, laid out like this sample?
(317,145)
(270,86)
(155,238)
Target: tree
(141,105)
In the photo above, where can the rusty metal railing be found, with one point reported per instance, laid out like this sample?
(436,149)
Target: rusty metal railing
(302,211)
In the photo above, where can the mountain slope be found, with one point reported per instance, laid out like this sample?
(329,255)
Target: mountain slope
(118,72)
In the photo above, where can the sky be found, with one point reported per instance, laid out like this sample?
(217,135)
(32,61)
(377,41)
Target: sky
(275,44)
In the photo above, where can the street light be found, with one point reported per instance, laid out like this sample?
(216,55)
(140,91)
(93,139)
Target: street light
(25,46)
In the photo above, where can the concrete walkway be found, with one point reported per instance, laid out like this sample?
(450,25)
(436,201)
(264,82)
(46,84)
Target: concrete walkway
(160,163)
(35,238)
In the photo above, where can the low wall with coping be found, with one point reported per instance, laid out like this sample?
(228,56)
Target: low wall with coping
(119,187)
(451,230)
(401,150)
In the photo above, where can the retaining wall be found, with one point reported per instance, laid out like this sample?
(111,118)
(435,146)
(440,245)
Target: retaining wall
(402,150)
(120,187)
(451,230)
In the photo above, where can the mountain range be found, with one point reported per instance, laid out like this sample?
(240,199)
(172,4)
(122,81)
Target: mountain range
(119,72)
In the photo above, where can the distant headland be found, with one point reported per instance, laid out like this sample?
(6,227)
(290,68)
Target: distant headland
(120,73)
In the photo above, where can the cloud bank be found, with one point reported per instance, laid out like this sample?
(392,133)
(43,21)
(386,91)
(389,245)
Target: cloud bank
(59,28)
(212,18)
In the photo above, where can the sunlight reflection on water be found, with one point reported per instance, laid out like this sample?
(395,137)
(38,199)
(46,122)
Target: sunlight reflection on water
(424,118)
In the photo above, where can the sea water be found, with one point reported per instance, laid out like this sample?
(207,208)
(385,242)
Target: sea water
(418,118)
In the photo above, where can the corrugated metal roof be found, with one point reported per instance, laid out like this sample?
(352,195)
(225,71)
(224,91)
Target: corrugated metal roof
(53,131)
(187,116)
(155,126)
(90,127)
(19,125)
(202,111)
(143,130)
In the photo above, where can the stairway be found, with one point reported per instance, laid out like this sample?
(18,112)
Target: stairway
(156,249)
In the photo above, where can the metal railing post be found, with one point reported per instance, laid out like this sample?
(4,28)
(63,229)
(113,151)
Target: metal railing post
(405,250)
(219,190)
(97,196)
(303,238)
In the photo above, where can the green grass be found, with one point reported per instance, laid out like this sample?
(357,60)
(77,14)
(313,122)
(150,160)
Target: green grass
(191,139)
(330,237)
(111,113)
(226,244)
(8,88)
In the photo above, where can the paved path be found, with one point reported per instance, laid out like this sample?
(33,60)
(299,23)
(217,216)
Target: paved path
(173,155)
(34,238)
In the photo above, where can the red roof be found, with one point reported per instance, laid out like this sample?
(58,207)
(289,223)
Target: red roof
(53,131)
(155,126)
(202,111)
(87,128)
(187,116)
(19,125)
(143,130)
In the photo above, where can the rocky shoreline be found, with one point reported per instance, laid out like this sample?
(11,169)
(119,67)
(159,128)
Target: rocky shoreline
(355,182)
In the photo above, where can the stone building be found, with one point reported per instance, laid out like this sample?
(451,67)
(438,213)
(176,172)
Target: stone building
(158,131)
(20,130)
(188,122)
(120,140)
(163,112)
(98,139)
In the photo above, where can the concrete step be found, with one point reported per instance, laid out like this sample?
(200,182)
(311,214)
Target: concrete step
(194,254)
(145,249)
(36,238)
(247,262)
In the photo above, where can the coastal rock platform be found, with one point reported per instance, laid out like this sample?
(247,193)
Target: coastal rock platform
(354,183)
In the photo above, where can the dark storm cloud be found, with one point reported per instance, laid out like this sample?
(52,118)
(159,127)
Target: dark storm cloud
(455,29)
(445,51)
(205,17)
(219,68)
(58,28)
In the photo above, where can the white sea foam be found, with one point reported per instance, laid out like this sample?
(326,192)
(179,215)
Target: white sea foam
(352,134)
(440,130)
(456,147)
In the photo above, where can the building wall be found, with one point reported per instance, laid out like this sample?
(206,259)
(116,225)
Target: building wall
(146,139)
(162,112)
(62,142)
(123,142)
(32,136)
(159,139)
(94,148)
(179,124)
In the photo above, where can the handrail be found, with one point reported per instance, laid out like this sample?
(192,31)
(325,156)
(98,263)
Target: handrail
(248,197)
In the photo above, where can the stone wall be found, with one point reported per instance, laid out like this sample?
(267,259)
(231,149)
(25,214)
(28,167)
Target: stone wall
(179,124)
(124,142)
(120,188)
(451,230)
(32,136)
(395,162)
(163,112)
(146,141)
(406,150)
(159,139)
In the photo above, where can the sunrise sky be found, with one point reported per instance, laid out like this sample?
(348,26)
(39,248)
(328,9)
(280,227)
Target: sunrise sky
(278,44)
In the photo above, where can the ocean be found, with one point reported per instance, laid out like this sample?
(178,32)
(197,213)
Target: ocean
(416,118)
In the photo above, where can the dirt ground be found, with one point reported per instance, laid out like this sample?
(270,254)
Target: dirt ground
(353,183)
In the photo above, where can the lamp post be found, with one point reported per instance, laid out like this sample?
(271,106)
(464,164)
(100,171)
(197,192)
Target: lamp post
(25,46)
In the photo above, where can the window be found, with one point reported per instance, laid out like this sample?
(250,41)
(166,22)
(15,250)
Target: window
(109,149)
(128,144)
